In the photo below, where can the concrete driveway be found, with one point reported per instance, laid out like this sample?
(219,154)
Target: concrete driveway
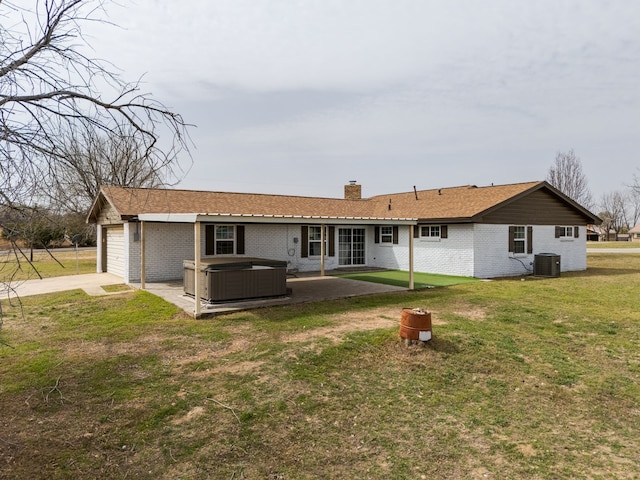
(303,289)
(91,283)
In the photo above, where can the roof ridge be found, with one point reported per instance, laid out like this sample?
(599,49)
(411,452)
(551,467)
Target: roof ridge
(188,190)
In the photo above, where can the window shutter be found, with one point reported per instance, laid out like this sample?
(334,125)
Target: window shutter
(240,239)
(304,241)
(416,231)
(210,239)
(376,233)
(444,231)
(576,232)
(529,239)
(395,235)
(558,232)
(332,241)
(512,243)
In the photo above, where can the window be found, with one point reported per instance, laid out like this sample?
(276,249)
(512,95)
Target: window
(520,239)
(224,240)
(311,241)
(315,241)
(430,231)
(386,234)
(433,233)
(566,233)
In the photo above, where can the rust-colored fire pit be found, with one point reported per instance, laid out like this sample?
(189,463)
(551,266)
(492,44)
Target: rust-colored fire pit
(415,325)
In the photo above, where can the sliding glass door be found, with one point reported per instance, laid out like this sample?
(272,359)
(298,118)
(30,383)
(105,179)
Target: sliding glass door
(351,246)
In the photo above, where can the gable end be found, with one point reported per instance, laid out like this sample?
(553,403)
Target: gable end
(540,207)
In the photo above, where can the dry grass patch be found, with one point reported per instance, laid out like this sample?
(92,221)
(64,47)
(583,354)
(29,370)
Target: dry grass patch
(522,380)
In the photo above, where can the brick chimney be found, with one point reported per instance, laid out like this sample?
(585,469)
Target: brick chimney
(353,191)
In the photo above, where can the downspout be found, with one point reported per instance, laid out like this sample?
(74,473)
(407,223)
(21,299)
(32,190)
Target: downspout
(322,250)
(100,241)
(142,257)
(411,233)
(196,264)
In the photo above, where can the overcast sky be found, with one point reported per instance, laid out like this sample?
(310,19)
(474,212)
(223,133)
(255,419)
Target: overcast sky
(300,96)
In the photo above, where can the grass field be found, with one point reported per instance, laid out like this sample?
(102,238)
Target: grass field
(533,379)
(591,245)
(15,266)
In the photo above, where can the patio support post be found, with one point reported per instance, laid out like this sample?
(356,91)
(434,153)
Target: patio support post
(322,250)
(100,254)
(196,264)
(142,257)
(411,233)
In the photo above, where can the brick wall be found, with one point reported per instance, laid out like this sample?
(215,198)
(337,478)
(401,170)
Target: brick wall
(167,246)
(470,250)
(453,255)
(493,258)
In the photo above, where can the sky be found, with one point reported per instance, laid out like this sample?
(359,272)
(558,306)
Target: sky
(298,97)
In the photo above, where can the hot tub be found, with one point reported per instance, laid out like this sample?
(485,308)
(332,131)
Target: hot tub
(242,278)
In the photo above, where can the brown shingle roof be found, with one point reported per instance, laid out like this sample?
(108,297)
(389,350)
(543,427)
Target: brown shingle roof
(134,201)
(457,203)
(452,203)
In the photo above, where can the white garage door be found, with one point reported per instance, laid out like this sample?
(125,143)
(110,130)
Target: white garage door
(115,251)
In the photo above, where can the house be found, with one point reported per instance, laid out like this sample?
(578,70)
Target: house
(635,233)
(593,233)
(493,231)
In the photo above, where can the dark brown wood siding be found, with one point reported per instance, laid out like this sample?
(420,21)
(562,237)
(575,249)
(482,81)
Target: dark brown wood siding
(304,241)
(210,240)
(332,242)
(240,239)
(537,208)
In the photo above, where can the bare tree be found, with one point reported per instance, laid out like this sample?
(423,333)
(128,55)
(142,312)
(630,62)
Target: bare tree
(613,205)
(634,201)
(567,176)
(51,89)
(92,158)
(48,85)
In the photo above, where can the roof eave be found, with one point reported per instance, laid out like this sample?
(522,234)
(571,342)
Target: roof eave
(263,218)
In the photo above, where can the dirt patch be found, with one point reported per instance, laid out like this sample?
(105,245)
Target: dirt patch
(192,414)
(527,450)
(350,322)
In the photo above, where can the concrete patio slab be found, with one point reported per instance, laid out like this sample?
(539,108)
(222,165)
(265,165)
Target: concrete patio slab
(303,289)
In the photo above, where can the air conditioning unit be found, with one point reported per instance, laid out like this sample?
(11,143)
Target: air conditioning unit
(546,265)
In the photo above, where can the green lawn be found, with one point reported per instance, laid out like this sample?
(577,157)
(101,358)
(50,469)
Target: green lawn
(16,266)
(613,245)
(400,278)
(535,379)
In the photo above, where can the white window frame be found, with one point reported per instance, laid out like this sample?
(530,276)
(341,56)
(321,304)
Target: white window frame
(517,240)
(386,235)
(567,233)
(228,230)
(316,231)
(430,233)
